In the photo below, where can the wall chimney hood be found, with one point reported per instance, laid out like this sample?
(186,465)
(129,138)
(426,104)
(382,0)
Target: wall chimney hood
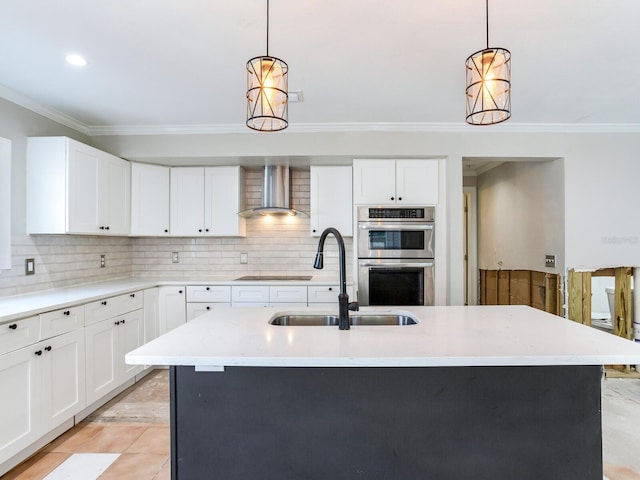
(275,194)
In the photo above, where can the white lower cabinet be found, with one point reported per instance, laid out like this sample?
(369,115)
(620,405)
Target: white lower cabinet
(151,314)
(20,379)
(172,310)
(107,342)
(43,386)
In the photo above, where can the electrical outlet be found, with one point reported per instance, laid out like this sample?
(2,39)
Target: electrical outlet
(550,261)
(103,261)
(244,258)
(29,266)
(175,257)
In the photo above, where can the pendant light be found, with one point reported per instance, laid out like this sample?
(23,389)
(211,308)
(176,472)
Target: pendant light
(267,92)
(488,90)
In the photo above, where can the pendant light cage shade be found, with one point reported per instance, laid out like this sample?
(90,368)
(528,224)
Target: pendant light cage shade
(488,90)
(267,94)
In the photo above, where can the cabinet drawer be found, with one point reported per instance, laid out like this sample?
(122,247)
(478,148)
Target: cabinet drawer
(250,293)
(323,293)
(112,306)
(18,334)
(200,308)
(288,294)
(61,321)
(208,293)
(326,293)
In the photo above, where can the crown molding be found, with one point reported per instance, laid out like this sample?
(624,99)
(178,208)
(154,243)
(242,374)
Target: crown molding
(352,127)
(50,113)
(366,127)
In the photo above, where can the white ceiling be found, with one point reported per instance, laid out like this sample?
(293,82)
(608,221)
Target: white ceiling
(179,65)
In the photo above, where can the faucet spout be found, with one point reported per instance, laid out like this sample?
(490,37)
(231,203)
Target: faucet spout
(343,298)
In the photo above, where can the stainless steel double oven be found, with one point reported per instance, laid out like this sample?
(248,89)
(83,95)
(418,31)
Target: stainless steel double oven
(395,255)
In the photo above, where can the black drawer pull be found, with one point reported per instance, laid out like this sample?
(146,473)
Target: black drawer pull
(38,352)
(208,308)
(117,323)
(179,291)
(122,322)
(48,348)
(132,295)
(330,289)
(208,289)
(104,302)
(67,312)
(13,326)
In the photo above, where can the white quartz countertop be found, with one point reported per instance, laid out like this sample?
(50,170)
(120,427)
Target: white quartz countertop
(444,336)
(20,306)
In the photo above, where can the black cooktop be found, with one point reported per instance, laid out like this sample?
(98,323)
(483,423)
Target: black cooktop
(275,277)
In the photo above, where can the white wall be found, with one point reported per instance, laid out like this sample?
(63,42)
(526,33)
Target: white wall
(521,216)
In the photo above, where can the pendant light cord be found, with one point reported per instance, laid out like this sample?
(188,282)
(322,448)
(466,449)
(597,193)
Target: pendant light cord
(487,10)
(268,27)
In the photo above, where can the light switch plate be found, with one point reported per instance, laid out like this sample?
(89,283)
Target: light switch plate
(175,257)
(103,261)
(30,266)
(244,258)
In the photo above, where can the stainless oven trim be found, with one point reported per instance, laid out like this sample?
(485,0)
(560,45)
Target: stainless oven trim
(429,214)
(388,226)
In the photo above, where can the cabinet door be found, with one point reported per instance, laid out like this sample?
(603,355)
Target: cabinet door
(417,182)
(331,200)
(172,308)
(101,346)
(223,200)
(115,195)
(130,337)
(63,379)
(149,199)
(187,201)
(151,314)
(61,321)
(20,378)
(374,182)
(83,207)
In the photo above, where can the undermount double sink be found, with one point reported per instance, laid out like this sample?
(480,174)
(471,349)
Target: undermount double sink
(322,319)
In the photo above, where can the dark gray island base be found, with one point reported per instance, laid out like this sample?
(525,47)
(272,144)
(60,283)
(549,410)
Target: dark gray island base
(386,423)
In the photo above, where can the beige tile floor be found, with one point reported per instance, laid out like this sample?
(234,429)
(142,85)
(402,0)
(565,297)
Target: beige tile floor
(136,425)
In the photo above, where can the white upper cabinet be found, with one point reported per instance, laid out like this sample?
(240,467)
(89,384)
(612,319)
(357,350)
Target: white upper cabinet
(75,188)
(149,200)
(331,199)
(395,182)
(206,201)
(223,199)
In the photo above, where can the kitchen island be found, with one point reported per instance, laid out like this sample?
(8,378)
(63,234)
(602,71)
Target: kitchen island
(467,392)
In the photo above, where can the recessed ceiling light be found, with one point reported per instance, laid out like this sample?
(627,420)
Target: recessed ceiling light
(76,60)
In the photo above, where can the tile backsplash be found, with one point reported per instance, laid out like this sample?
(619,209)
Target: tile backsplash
(275,245)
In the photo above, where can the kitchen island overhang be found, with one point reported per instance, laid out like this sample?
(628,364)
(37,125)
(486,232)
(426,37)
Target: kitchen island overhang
(493,392)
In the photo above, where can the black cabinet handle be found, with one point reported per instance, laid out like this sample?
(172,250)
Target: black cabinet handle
(38,352)
(13,326)
(66,312)
(104,302)
(101,228)
(399,198)
(179,291)
(166,230)
(106,228)
(200,230)
(392,198)
(206,229)
(48,348)
(208,289)
(122,321)
(208,307)
(117,323)
(330,289)
(133,295)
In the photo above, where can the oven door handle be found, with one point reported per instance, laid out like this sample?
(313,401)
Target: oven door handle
(399,264)
(396,227)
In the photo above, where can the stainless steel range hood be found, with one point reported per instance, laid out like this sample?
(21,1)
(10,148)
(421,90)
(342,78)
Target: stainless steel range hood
(275,194)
